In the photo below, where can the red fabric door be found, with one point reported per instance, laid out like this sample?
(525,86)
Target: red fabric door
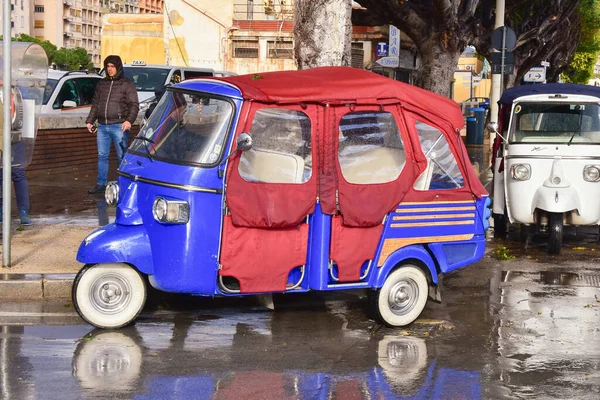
(270,191)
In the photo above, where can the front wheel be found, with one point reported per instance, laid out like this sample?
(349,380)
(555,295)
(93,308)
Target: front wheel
(109,295)
(402,297)
(555,232)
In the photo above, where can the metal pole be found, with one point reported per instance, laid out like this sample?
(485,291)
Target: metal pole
(6,149)
(495,93)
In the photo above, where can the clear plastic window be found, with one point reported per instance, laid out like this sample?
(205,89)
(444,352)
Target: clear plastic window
(442,171)
(555,123)
(370,148)
(281,148)
(186,128)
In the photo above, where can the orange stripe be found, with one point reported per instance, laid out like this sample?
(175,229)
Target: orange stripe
(436,216)
(391,245)
(412,203)
(412,210)
(441,223)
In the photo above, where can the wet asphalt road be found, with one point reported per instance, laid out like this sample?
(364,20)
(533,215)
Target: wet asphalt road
(517,325)
(522,328)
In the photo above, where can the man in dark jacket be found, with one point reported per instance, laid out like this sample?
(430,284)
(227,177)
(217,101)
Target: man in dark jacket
(115,106)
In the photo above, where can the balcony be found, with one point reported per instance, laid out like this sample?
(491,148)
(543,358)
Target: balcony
(68,18)
(248,11)
(69,3)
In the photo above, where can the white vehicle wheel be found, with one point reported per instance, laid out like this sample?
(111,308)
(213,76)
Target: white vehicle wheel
(109,295)
(109,361)
(402,297)
(403,360)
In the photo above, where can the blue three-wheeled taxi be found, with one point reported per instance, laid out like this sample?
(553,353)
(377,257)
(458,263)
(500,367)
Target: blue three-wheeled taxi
(283,182)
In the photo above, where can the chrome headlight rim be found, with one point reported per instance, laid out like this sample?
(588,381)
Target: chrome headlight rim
(591,168)
(520,172)
(111,193)
(166,211)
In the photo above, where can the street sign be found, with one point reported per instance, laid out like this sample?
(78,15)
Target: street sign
(545,64)
(509,58)
(508,68)
(535,74)
(382,49)
(389,62)
(394,46)
(510,38)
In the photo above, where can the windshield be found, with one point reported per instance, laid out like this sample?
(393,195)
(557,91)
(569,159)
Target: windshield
(147,79)
(186,128)
(555,123)
(50,85)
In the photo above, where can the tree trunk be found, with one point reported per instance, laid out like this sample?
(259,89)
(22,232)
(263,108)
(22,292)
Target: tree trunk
(322,32)
(437,68)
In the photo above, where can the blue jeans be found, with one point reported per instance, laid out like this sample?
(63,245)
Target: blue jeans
(18,177)
(107,134)
(21,188)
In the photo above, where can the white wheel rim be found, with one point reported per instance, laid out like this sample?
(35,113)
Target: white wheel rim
(110,294)
(403,296)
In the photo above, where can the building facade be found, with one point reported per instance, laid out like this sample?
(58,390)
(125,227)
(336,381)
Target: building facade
(76,23)
(151,6)
(20,17)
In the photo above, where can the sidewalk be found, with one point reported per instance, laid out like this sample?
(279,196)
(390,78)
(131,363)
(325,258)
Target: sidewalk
(43,262)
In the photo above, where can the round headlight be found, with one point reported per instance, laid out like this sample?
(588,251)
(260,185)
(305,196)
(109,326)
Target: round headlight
(556,180)
(521,172)
(160,209)
(111,194)
(591,173)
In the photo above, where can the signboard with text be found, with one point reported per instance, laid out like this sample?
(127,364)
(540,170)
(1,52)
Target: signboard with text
(536,75)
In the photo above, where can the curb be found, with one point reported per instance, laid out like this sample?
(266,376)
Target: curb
(36,286)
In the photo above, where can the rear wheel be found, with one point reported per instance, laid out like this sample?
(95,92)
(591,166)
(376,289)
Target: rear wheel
(109,295)
(402,297)
(555,232)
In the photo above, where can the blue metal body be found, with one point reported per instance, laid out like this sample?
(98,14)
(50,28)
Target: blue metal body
(439,237)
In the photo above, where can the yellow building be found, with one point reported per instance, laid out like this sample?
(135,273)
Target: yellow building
(467,80)
(133,37)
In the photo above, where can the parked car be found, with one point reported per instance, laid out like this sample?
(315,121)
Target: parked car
(69,92)
(148,77)
(484,102)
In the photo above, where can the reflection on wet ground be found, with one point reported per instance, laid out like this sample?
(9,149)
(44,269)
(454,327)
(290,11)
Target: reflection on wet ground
(520,334)
(59,196)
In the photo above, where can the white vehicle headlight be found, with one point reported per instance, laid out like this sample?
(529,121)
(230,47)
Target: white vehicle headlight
(111,194)
(171,211)
(591,173)
(520,172)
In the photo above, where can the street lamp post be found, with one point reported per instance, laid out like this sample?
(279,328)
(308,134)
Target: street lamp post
(496,78)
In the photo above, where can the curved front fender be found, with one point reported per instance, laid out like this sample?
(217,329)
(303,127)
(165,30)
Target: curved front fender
(556,200)
(409,252)
(118,243)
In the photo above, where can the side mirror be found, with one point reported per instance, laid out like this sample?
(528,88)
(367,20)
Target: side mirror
(493,127)
(244,142)
(69,104)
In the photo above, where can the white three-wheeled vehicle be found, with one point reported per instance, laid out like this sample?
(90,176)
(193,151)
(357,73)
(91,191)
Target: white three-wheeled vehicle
(547,159)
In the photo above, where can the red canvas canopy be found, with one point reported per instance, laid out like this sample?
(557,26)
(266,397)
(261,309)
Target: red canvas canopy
(339,85)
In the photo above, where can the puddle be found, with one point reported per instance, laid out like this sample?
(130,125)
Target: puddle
(558,278)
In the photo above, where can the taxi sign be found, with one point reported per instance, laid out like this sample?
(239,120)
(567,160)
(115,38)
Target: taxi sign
(138,63)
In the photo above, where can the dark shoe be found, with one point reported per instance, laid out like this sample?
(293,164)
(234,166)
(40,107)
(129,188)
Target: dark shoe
(97,189)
